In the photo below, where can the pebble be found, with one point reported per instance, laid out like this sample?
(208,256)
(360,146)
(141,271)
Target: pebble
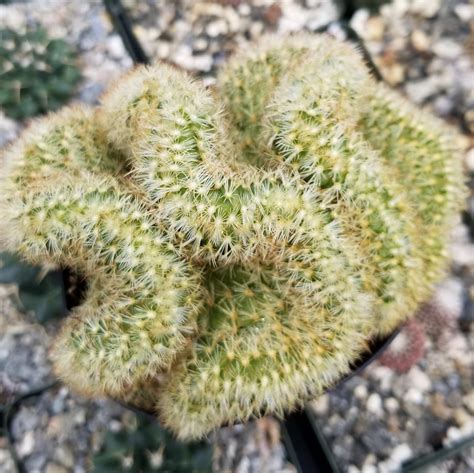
(391,405)
(468,401)
(470,160)
(27,445)
(321,404)
(464,12)
(421,90)
(115,47)
(374,404)
(65,456)
(55,468)
(400,454)
(438,407)
(420,40)
(461,417)
(414,396)
(418,379)
(361,392)
(447,49)
(425,8)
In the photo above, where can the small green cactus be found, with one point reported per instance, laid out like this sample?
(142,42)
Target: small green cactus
(37,73)
(242,245)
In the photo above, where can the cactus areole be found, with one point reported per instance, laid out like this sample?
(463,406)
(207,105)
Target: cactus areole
(242,245)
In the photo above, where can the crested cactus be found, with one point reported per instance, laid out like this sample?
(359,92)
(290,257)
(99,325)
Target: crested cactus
(242,245)
(37,73)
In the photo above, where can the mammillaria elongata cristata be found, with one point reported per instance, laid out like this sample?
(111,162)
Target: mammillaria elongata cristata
(241,244)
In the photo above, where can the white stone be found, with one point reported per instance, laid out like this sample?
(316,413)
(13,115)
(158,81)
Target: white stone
(374,404)
(414,396)
(470,159)
(115,47)
(464,12)
(321,404)
(369,469)
(449,295)
(360,391)
(420,90)
(447,48)
(216,28)
(453,434)
(400,454)
(359,21)
(425,8)
(420,40)
(353,469)
(418,379)
(462,254)
(391,405)
(27,445)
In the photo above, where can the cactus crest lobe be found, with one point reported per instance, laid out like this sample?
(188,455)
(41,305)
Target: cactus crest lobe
(243,244)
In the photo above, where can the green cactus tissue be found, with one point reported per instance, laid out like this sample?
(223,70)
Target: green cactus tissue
(242,245)
(37,73)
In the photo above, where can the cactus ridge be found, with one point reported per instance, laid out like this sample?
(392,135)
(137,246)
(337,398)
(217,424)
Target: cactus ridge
(241,244)
(77,217)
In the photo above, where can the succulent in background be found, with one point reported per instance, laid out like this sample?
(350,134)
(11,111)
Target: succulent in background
(407,348)
(257,238)
(37,73)
(142,445)
(39,291)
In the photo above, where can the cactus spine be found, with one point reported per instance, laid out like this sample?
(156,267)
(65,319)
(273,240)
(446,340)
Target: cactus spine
(256,238)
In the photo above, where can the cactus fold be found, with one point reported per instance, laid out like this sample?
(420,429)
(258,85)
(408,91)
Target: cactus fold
(242,245)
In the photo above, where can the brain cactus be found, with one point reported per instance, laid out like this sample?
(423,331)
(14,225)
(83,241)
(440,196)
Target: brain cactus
(242,245)
(37,73)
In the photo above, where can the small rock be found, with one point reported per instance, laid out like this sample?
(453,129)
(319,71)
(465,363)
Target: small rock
(470,159)
(447,48)
(273,14)
(400,454)
(453,434)
(425,8)
(374,28)
(115,47)
(64,456)
(54,468)
(423,89)
(391,405)
(393,424)
(468,401)
(414,396)
(438,407)
(443,106)
(216,28)
(26,445)
(360,392)
(394,74)
(461,417)
(321,404)
(374,404)
(353,469)
(200,44)
(454,399)
(420,40)
(464,12)
(418,379)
